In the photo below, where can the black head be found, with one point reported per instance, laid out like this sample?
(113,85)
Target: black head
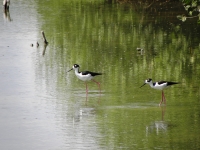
(75,66)
(147,81)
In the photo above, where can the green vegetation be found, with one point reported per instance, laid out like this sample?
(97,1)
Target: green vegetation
(110,40)
(104,37)
(192,8)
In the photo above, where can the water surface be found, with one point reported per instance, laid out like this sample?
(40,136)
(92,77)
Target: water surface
(43,107)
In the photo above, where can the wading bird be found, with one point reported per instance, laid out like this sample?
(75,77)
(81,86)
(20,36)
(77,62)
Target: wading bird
(85,76)
(161,85)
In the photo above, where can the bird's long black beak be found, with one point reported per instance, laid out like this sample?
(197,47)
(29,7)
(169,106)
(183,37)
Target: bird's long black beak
(143,85)
(70,70)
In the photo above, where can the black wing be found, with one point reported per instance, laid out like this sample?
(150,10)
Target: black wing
(92,73)
(161,82)
(168,82)
(171,83)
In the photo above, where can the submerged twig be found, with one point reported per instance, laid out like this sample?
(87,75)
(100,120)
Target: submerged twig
(44,49)
(44,38)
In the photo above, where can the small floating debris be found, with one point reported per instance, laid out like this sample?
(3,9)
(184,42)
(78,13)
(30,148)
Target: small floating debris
(139,49)
(31,45)
(37,44)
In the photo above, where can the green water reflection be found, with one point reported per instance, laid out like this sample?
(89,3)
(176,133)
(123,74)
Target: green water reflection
(104,38)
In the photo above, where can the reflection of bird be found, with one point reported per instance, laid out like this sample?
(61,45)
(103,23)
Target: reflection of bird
(6,4)
(161,85)
(158,126)
(85,75)
(6,14)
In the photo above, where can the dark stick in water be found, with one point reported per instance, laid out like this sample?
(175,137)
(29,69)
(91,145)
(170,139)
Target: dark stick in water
(44,38)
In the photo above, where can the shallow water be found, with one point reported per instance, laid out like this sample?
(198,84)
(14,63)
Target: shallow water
(43,107)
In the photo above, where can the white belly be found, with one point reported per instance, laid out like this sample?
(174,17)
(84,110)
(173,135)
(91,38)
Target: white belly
(84,77)
(160,87)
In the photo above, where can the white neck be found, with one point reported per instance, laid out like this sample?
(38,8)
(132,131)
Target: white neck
(151,84)
(76,71)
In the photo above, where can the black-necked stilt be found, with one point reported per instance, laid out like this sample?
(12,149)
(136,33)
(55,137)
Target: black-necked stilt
(85,75)
(161,85)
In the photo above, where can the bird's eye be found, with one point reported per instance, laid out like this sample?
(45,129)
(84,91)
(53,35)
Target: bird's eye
(76,66)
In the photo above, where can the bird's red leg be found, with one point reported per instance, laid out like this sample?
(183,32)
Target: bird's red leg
(161,99)
(86,88)
(98,85)
(164,98)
